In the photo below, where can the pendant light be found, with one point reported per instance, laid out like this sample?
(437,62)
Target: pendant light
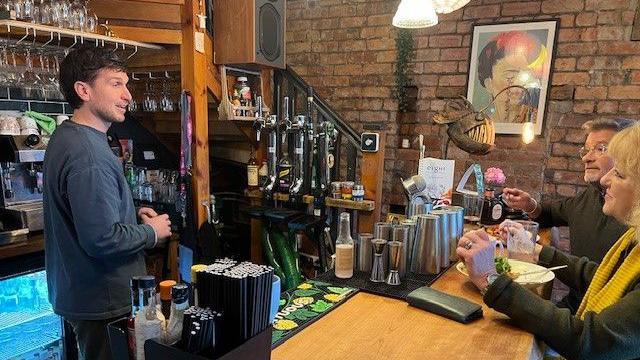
(447,6)
(413,14)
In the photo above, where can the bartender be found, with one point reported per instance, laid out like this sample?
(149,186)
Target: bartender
(94,244)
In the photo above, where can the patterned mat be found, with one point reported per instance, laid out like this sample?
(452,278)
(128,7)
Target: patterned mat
(307,303)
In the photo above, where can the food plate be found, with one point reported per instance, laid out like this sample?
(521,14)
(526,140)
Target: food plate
(521,267)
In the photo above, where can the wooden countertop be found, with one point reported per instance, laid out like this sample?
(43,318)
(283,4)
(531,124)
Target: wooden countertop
(374,327)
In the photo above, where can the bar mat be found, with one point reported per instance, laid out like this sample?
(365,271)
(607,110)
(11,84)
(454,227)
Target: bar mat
(360,280)
(305,304)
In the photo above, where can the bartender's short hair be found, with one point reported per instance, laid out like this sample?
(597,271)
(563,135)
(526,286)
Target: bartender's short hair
(617,124)
(83,65)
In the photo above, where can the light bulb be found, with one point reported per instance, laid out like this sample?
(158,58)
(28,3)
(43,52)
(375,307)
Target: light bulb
(528,133)
(413,14)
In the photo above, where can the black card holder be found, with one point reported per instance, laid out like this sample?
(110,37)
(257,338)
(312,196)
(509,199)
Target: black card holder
(449,306)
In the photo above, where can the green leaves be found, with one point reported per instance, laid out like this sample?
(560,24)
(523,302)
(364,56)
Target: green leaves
(301,293)
(404,51)
(321,306)
(301,314)
(339,290)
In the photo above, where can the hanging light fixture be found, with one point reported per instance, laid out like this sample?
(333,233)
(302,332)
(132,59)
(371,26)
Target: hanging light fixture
(447,6)
(413,14)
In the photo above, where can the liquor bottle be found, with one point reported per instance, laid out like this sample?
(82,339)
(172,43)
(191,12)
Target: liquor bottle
(147,324)
(165,297)
(263,174)
(135,307)
(252,172)
(179,303)
(284,173)
(493,209)
(344,248)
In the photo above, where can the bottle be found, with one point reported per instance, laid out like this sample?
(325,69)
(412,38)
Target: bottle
(135,306)
(263,173)
(147,324)
(179,303)
(284,173)
(493,209)
(344,248)
(165,297)
(242,92)
(252,172)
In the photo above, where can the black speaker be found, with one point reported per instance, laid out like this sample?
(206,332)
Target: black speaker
(250,32)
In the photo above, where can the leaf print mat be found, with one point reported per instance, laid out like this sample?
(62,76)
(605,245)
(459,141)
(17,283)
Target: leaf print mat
(305,304)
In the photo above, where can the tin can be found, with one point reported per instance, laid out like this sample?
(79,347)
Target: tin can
(358,192)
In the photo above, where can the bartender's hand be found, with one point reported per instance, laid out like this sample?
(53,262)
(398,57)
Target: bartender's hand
(477,251)
(148,212)
(518,199)
(161,225)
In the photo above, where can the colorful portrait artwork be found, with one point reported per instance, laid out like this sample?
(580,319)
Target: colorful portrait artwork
(508,55)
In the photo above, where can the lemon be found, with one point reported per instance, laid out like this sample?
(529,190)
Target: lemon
(305,286)
(303,300)
(333,297)
(284,325)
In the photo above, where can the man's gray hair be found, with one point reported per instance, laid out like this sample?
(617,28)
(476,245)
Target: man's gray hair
(617,124)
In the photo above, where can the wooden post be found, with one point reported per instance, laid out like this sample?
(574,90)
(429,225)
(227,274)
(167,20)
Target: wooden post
(372,176)
(193,69)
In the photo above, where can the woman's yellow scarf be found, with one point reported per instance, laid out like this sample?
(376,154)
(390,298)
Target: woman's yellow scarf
(606,287)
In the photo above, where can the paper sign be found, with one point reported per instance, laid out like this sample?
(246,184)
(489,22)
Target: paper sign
(438,174)
(149,155)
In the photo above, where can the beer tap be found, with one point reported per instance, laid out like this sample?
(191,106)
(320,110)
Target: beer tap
(259,123)
(324,148)
(298,128)
(285,124)
(6,178)
(272,155)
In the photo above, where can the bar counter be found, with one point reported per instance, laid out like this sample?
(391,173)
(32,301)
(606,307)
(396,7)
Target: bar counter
(373,327)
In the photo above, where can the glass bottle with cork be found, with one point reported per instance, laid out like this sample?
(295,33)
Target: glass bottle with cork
(252,171)
(344,248)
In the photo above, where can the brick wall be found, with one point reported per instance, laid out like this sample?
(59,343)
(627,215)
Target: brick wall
(346,50)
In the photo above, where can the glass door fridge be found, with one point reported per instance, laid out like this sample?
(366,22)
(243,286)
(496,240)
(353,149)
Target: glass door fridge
(28,327)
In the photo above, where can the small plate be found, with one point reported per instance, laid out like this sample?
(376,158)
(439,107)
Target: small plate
(520,267)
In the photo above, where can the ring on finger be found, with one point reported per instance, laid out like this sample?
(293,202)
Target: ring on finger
(468,244)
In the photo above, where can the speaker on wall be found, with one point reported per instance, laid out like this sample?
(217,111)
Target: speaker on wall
(249,32)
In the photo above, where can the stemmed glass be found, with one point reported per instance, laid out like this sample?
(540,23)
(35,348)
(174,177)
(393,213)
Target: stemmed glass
(149,103)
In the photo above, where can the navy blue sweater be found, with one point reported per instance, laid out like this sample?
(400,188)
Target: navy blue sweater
(93,244)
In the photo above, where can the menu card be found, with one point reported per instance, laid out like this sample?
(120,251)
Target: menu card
(438,175)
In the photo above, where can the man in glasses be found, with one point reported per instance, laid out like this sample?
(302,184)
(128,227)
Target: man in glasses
(591,232)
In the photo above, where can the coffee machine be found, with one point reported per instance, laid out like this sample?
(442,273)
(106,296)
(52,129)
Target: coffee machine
(21,159)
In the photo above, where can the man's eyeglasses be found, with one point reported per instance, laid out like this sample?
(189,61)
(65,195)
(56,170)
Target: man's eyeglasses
(598,150)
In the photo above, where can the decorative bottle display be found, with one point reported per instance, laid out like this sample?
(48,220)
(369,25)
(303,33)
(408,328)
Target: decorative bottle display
(242,92)
(344,248)
(493,210)
(252,171)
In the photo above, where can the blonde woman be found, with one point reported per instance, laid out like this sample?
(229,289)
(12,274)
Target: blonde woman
(607,323)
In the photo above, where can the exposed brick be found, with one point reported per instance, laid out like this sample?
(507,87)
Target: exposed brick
(573,78)
(448,92)
(479,12)
(428,55)
(610,33)
(607,107)
(521,8)
(598,62)
(564,64)
(609,17)
(453,80)
(630,107)
(577,49)
(606,5)
(565,6)
(454,54)
(624,92)
(574,136)
(584,107)
(566,190)
(631,62)
(557,163)
(446,41)
(586,19)
(591,92)
(618,48)
(567,177)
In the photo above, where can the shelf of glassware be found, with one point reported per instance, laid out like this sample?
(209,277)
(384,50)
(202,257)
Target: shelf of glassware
(53,35)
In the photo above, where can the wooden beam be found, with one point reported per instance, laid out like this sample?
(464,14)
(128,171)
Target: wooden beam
(212,73)
(137,10)
(372,176)
(150,35)
(168,59)
(193,66)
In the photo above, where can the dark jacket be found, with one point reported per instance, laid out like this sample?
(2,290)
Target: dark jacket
(592,233)
(614,333)
(93,244)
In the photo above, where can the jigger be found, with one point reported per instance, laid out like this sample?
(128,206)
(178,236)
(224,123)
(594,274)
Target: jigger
(377,269)
(395,255)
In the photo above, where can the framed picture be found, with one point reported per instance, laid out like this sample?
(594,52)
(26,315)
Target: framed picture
(504,56)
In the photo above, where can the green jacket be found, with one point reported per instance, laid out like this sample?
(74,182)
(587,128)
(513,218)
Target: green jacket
(614,333)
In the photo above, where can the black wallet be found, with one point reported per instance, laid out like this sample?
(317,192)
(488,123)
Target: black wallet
(449,306)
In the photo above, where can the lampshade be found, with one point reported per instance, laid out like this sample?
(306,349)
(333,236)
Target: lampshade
(447,6)
(413,14)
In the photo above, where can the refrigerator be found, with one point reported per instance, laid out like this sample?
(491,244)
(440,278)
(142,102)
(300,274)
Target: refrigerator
(28,327)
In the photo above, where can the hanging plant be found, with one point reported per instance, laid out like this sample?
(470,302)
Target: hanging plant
(404,51)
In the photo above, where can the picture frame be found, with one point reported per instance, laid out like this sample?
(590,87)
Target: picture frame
(508,54)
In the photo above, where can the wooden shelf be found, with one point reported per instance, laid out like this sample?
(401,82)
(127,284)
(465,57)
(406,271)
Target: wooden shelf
(365,205)
(34,243)
(67,37)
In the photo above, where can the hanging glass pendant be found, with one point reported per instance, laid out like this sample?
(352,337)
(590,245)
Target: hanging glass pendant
(413,14)
(447,6)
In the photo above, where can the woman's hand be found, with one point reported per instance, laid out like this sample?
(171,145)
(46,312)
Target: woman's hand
(477,251)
